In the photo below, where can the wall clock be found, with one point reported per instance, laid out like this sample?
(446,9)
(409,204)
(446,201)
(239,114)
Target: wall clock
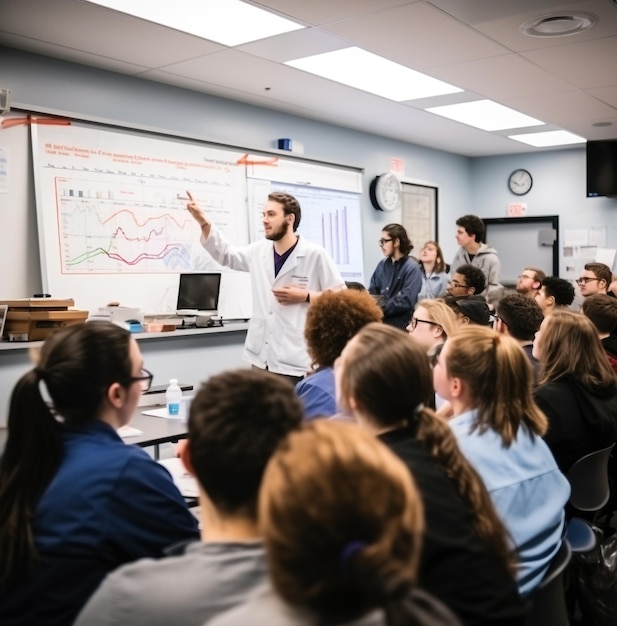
(520,182)
(386,192)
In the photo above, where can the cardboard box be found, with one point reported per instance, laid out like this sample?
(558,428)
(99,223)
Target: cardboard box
(34,319)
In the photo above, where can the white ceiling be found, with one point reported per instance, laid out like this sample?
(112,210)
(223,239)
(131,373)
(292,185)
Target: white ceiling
(568,82)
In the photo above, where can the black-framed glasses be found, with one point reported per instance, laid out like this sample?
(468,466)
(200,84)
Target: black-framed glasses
(413,322)
(583,280)
(144,379)
(456,284)
(383,241)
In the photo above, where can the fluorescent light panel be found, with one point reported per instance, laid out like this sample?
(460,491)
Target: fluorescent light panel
(366,71)
(549,138)
(228,22)
(485,114)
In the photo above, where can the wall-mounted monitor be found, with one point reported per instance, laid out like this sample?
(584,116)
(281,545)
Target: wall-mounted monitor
(602,168)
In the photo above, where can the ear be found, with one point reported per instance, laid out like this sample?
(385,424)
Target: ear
(187,459)
(456,387)
(471,291)
(291,218)
(550,300)
(116,395)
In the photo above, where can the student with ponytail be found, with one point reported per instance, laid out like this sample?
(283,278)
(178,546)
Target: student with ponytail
(488,380)
(466,561)
(75,501)
(342,524)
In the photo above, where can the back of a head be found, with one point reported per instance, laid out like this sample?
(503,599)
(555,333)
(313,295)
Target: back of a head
(560,289)
(474,277)
(236,421)
(601,309)
(398,231)
(521,315)
(498,378)
(569,346)
(334,318)
(341,520)
(473,225)
(388,375)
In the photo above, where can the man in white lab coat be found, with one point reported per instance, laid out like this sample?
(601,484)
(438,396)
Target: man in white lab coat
(287,272)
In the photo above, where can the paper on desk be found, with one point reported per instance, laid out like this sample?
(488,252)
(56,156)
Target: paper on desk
(129,431)
(187,484)
(159,413)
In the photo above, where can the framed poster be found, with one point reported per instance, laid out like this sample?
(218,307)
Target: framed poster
(419,213)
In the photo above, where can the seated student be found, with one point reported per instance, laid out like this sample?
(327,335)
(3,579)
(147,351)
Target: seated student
(602,311)
(330,322)
(487,379)
(555,293)
(529,282)
(76,501)
(466,561)
(342,523)
(595,278)
(578,388)
(467,280)
(434,273)
(520,317)
(431,324)
(236,421)
(470,310)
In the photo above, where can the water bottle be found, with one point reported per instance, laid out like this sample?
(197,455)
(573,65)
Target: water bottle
(173,397)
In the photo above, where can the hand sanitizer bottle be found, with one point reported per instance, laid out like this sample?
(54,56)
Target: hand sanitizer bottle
(173,397)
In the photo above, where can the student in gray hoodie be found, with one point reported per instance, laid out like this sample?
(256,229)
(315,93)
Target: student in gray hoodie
(470,237)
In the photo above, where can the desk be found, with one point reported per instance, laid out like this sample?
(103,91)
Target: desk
(155,431)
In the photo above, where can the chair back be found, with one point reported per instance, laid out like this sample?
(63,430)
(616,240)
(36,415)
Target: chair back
(588,479)
(547,604)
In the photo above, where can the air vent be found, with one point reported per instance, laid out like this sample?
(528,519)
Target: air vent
(559,25)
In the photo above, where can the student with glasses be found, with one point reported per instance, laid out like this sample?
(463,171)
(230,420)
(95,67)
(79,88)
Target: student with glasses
(397,279)
(76,501)
(595,278)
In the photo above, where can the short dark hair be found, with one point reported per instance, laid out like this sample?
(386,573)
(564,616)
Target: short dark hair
(521,314)
(236,421)
(290,206)
(601,309)
(474,277)
(560,289)
(473,225)
(397,231)
(602,271)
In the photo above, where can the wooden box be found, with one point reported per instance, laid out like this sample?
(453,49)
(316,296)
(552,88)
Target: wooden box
(34,319)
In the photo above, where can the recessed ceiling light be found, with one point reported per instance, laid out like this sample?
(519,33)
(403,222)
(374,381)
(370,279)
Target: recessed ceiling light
(363,70)
(558,25)
(485,114)
(228,22)
(549,138)
(602,124)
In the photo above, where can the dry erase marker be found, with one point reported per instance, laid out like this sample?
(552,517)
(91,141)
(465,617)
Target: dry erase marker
(42,295)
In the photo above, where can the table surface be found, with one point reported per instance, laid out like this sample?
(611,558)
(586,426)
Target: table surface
(155,430)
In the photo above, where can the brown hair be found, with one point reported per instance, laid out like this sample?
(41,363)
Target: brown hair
(342,522)
(602,272)
(236,421)
(601,309)
(473,225)
(569,345)
(390,380)
(441,314)
(397,231)
(440,264)
(499,377)
(333,319)
(290,206)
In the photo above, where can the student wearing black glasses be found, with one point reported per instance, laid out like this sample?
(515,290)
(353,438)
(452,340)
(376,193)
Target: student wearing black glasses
(595,278)
(76,501)
(397,279)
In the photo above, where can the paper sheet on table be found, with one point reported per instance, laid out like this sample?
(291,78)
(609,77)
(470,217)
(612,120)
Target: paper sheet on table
(187,484)
(159,413)
(129,431)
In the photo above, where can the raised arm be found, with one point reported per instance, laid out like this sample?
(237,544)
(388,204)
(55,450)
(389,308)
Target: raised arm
(199,215)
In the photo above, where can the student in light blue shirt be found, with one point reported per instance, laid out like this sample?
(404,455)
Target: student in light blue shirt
(487,378)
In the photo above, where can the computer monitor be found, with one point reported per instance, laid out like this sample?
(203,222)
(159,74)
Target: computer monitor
(198,294)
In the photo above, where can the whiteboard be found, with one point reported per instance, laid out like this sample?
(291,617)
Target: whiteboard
(112,218)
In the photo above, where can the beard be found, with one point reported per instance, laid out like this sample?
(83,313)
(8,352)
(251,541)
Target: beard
(277,235)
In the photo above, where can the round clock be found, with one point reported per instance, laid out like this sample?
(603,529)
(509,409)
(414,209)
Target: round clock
(520,182)
(386,192)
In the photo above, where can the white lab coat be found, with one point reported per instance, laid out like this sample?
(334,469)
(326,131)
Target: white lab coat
(275,337)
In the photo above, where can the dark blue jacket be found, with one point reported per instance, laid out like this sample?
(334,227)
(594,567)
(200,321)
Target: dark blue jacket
(108,504)
(398,283)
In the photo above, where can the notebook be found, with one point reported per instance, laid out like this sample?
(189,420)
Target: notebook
(198,294)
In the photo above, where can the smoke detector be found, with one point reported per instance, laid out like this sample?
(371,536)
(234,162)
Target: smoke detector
(558,25)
